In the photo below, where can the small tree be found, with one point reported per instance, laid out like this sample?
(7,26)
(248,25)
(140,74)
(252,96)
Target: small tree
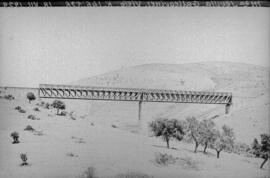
(167,129)
(58,105)
(30,96)
(262,150)
(224,140)
(207,133)
(24,159)
(15,136)
(194,130)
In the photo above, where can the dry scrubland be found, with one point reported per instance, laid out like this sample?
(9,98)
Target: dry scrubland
(106,138)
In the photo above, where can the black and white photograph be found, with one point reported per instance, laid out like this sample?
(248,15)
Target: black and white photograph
(133,89)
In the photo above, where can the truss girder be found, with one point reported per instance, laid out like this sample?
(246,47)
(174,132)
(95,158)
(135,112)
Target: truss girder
(133,94)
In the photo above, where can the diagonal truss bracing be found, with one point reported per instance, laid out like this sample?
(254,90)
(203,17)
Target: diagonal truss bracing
(134,94)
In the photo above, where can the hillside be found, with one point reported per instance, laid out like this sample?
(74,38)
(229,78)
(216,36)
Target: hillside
(249,84)
(109,137)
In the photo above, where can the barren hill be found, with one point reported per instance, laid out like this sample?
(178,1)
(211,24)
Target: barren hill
(249,84)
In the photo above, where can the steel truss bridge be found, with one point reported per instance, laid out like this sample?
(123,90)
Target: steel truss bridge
(134,94)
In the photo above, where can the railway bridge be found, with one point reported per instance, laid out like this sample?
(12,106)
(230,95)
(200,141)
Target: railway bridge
(134,94)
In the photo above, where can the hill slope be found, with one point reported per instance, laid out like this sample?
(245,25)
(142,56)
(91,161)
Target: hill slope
(249,84)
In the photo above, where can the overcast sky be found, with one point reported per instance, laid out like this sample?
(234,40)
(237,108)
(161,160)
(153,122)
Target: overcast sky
(61,45)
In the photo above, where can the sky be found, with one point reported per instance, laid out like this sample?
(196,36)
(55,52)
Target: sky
(62,44)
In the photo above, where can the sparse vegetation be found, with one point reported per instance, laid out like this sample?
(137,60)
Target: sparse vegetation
(9,97)
(58,105)
(90,172)
(15,136)
(30,96)
(63,113)
(36,109)
(262,150)
(167,129)
(164,159)
(32,117)
(18,108)
(71,154)
(29,128)
(24,159)
(22,111)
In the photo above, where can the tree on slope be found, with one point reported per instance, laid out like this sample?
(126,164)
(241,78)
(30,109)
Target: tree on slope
(263,149)
(58,105)
(30,96)
(207,133)
(223,140)
(194,130)
(167,129)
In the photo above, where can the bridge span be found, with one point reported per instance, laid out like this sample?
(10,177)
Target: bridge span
(134,94)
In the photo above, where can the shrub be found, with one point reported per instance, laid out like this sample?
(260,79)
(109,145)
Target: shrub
(15,136)
(18,108)
(47,106)
(22,111)
(167,129)
(32,117)
(30,96)
(114,126)
(164,159)
(24,159)
(36,109)
(9,97)
(29,128)
(63,113)
(58,105)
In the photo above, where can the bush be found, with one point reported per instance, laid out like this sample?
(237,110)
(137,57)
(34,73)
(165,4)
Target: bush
(29,128)
(15,136)
(30,96)
(24,159)
(18,108)
(32,117)
(167,129)
(47,106)
(22,111)
(36,109)
(114,126)
(58,105)
(9,97)
(63,113)
(164,159)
